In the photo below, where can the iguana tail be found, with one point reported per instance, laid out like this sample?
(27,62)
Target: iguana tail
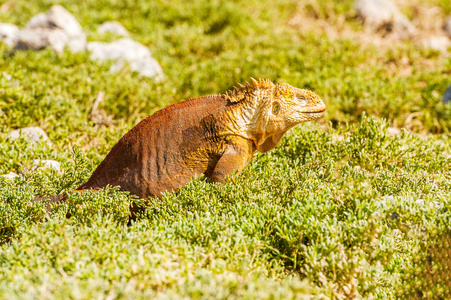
(48,201)
(51,200)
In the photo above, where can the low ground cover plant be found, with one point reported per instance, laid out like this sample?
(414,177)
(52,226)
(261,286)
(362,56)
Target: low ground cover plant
(340,209)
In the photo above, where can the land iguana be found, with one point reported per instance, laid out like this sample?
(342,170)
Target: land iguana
(212,135)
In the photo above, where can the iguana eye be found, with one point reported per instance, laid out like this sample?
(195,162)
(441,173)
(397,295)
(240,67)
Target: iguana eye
(300,99)
(275,108)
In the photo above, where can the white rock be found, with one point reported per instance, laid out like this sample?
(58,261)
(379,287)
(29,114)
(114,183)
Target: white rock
(125,49)
(8,33)
(46,164)
(10,176)
(56,28)
(38,21)
(30,39)
(439,43)
(380,14)
(77,44)
(338,137)
(41,38)
(61,18)
(57,40)
(33,134)
(392,131)
(147,67)
(57,17)
(114,27)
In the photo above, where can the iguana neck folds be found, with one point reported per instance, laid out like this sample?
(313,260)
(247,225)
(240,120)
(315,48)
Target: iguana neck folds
(263,112)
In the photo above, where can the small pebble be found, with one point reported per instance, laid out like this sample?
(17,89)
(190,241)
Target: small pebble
(32,134)
(46,164)
(9,176)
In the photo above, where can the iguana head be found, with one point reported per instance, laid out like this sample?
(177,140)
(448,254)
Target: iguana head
(266,111)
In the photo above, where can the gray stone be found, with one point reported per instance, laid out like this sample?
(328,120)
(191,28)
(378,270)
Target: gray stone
(137,55)
(10,176)
(113,27)
(384,15)
(8,33)
(56,28)
(447,96)
(32,134)
(447,27)
(46,164)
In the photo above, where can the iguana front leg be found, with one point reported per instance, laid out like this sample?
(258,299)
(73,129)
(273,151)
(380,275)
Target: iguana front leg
(236,156)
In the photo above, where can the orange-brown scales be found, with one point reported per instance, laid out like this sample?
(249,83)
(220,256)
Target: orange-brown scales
(213,135)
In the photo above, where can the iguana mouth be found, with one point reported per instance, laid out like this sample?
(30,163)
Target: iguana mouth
(318,111)
(314,113)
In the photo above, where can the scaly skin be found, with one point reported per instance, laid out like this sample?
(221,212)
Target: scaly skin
(213,135)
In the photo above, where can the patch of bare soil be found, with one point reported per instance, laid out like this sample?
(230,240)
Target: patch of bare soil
(427,17)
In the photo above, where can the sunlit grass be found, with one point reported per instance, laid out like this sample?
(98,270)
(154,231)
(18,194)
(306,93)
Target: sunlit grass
(339,209)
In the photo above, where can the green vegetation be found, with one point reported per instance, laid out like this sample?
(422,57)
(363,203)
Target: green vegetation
(338,210)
